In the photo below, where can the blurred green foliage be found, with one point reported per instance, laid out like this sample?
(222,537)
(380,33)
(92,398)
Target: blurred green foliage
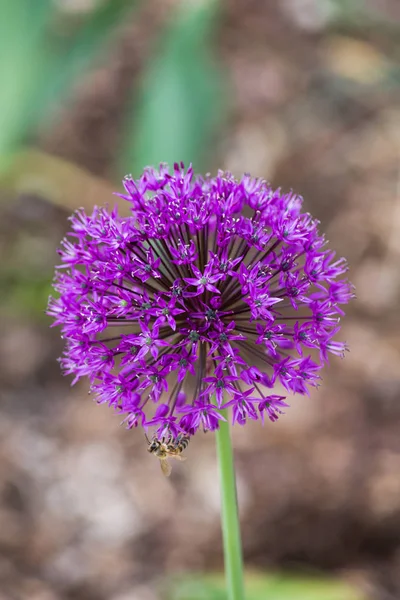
(180,104)
(25,293)
(43,52)
(279,586)
(40,59)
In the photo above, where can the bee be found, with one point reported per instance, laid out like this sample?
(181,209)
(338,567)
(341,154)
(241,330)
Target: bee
(168,448)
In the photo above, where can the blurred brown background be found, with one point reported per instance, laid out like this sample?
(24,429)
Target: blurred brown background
(310,102)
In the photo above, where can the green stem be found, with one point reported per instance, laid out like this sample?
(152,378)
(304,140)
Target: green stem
(229,513)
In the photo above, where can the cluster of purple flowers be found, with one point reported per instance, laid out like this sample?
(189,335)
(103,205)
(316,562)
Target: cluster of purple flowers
(209,294)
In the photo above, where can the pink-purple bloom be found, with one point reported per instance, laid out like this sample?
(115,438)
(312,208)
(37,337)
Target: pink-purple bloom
(212,293)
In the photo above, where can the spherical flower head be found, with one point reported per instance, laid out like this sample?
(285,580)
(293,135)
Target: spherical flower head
(210,294)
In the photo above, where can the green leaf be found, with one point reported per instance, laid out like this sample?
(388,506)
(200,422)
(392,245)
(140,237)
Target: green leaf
(72,55)
(38,65)
(279,586)
(181,99)
(22,27)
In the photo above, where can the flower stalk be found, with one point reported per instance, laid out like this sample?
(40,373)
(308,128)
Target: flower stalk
(229,513)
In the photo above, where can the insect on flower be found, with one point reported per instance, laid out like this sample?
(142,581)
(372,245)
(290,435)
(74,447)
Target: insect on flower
(164,449)
(213,293)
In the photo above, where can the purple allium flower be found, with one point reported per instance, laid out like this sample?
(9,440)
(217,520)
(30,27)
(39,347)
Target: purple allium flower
(212,292)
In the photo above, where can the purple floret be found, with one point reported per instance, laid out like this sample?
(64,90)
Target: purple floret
(208,295)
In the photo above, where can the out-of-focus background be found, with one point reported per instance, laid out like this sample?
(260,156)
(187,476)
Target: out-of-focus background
(301,92)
